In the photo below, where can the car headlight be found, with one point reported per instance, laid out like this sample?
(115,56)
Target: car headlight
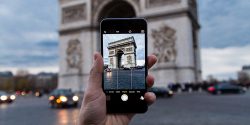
(58,101)
(51,98)
(3,97)
(75,98)
(63,98)
(12,97)
(37,94)
(170,92)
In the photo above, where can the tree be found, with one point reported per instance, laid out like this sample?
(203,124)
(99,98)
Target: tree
(243,77)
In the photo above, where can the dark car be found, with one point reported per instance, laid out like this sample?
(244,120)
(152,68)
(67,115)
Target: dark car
(161,92)
(126,68)
(38,94)
(6,98)
(108,70)
(139,67)
(223,88)
(63,98)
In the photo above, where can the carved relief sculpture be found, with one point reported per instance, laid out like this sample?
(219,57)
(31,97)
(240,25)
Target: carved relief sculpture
(129,59)
(74,56)
(74,13)
(164,44)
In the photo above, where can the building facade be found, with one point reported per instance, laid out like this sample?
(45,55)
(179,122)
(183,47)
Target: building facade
(244,75)
(173,36)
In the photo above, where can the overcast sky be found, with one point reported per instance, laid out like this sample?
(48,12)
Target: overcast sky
(29,38)
(224,36)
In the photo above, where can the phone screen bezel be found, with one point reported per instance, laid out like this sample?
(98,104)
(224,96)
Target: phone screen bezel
(123,25)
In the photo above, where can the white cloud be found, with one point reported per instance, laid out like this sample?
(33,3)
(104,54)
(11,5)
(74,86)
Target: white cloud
(32,70)
(224,22)
(40,36)
(140,62)
(224,63)
(28,34)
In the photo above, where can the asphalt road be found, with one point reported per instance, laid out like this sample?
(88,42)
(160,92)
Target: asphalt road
(182,109)
(125,79)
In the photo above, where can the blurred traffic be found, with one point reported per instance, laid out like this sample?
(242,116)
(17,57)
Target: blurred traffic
(225,88)
(161,92)
(6,97)
(63,98)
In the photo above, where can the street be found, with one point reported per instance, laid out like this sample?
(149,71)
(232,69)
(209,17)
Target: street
(198,109)
(125,79)
(183,109)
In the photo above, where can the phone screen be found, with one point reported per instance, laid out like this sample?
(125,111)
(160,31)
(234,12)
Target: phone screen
(125,66)
(124,61)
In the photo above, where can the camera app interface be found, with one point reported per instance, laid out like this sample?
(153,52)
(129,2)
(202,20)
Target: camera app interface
(124,61)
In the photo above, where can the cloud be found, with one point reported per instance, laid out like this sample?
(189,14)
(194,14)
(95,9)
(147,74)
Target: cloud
(28,34)
(224,23)
(224,63)
(140,62)
(4,11)
(224,37)
(48,44)
(32,70)
(39,36)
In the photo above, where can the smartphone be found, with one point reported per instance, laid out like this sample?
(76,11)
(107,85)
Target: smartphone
(124,51)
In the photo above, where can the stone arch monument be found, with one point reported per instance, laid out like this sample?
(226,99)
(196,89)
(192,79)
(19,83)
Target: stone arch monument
(126,47)
(173,30)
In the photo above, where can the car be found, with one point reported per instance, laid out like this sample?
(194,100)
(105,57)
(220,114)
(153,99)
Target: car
(63,98)
(161,92)
(224,88)
(22,93)
(126,68)
(6,98)
(38,94)
(139,67)
(108,70)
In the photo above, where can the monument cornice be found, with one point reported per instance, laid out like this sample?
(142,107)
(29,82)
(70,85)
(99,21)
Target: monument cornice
(173,14)
(172,67)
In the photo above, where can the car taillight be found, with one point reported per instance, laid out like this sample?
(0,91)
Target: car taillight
(211,89)
(51,98)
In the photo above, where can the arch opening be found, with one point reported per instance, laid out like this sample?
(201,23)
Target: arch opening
(114,9)
(120,59)
(117,9)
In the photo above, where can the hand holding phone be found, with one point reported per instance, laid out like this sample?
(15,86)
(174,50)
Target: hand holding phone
(93,110)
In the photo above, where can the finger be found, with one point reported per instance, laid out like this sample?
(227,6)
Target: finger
(152,59)
(150,97)
(130,116)
(95,79)
(150,81)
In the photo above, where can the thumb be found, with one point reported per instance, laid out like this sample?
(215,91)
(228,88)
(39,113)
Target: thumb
(95,79)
